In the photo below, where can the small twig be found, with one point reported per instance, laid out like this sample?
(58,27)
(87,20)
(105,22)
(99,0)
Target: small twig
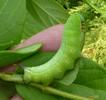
(60,93)
(11,78)
(19,79)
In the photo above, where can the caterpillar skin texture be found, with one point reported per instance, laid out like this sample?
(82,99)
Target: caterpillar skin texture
(64,59)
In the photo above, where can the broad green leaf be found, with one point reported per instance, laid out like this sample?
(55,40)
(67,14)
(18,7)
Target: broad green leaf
(6,45)
(91,74)
(84,91)
(32,93)
(9,57)
(41,16)
(31,26)
(7,90)
(12,16)
(70,76)
(61,2)
(52,12)
(38,59)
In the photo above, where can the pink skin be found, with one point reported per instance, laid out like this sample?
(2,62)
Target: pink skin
(16,97)
(51,40)
(9,69)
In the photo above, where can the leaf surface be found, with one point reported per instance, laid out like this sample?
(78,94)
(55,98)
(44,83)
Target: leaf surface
(91,74)
(9,57)
(41,16)
(7,90)
(32,93)
(12,16)
(84,91)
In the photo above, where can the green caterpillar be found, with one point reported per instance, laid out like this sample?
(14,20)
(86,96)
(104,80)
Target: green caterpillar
(64,59)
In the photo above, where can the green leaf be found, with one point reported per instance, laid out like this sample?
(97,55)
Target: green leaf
(40,16)
(70,76)
(32,93)
(31,26)
(12,16)
(7,90)
(9,57)
(53,11)
(81,90)
(62,2)
(91,74)
(6,45)
(38,59)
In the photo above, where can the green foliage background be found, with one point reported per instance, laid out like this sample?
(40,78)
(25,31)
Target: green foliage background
(21,19)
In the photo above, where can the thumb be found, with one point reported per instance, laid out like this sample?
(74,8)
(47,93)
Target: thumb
(50,38)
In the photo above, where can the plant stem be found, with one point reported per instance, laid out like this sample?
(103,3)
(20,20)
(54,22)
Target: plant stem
(19,79)
(59,92)
(11,78)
